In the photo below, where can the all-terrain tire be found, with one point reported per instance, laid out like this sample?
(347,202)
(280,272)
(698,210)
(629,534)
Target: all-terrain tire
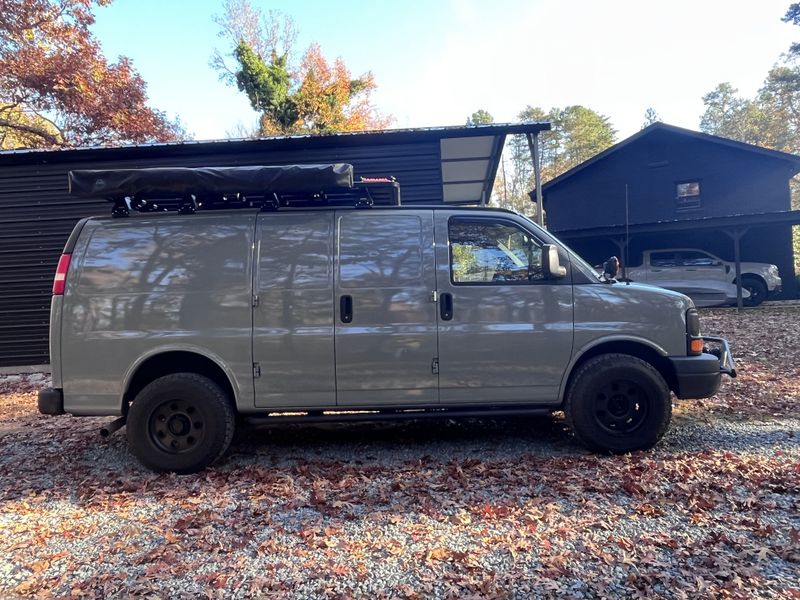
(181,422)
(618,403)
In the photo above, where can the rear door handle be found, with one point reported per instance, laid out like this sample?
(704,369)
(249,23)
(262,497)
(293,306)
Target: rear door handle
(346,308)
(446,306)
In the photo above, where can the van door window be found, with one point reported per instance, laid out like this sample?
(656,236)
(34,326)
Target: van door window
(493,252)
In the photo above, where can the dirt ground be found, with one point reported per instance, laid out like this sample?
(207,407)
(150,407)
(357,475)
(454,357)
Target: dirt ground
(494,508)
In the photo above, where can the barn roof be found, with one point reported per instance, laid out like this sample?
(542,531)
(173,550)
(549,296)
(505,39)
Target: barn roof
(663,128)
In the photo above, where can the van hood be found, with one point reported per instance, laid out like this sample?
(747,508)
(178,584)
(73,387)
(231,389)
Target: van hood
(651,291)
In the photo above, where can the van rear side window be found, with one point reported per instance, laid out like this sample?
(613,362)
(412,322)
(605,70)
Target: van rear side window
(379,251)
(166,257)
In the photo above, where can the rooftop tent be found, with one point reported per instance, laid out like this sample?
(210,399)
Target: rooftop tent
(156,182)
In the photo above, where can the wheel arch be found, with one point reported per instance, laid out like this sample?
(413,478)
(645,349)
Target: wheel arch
(756,276)
(640,348)
(165,361)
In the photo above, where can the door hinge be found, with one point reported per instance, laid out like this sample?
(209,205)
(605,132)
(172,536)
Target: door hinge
(255,300)
(256,370)
(435,366)
(434,296)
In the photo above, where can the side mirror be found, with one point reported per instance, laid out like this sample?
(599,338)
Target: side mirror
(611,268)
(550,263)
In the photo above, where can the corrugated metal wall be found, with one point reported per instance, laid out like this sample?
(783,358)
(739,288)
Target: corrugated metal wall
(37,214)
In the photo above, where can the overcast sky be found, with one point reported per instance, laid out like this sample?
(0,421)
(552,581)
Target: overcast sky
(436,62)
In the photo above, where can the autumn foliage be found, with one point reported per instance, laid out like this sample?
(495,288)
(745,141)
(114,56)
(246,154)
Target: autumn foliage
(58,89)
(314,96)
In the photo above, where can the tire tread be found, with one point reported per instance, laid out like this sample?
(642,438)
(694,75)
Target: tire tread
(603,362)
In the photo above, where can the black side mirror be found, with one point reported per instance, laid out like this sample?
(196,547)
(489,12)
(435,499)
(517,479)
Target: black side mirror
(550,264)
(611,268)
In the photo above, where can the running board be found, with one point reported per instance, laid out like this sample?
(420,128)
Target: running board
(339,416)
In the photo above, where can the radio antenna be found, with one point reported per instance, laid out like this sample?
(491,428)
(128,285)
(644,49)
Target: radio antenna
(627,237)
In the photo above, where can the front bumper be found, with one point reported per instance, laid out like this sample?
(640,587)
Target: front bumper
(51,402)
(700,376)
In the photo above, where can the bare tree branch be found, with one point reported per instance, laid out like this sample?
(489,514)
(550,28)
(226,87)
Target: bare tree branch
(33,130)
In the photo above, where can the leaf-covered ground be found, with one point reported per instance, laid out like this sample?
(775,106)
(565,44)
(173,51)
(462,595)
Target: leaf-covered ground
(467,509)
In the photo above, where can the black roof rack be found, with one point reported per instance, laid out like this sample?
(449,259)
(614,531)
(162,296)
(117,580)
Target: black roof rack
(187,190)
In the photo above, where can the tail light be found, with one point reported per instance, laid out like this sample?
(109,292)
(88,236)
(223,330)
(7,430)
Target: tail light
(60,281)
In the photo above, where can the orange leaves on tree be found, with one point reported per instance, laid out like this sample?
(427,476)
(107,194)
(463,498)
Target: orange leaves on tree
(58,89)
(315,96)
(330,100)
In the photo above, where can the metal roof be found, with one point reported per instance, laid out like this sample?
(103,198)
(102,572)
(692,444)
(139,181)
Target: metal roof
(680,131)
(470,155)
(312,140)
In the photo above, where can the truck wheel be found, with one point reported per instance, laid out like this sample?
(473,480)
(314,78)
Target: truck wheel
(181,422)
(757,289)
(618,403)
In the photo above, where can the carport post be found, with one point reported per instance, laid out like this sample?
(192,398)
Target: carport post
(736,235)
(533,146)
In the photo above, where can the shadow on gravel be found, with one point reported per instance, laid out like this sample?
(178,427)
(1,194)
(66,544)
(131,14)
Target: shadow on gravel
(456,437)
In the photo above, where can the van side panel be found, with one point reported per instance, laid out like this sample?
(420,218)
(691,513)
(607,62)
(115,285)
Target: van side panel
(293,322)
(387,347)
(634,312)
(56,305)
(55,340)
(142,284)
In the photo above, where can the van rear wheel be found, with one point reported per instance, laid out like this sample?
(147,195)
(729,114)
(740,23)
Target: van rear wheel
(618,403)
(181,422)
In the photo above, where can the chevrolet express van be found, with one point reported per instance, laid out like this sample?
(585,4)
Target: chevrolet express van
(275,290)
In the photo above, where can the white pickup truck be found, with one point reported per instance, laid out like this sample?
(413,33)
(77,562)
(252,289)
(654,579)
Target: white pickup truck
(707,279)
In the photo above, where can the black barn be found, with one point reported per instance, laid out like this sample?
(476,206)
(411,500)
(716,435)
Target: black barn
(680,188)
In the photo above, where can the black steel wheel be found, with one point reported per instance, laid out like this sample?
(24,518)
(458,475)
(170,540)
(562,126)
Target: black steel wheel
(177,426)
(757,289)
(618,403)
(180,422)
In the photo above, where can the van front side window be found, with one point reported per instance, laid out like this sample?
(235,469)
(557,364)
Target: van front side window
(493,252)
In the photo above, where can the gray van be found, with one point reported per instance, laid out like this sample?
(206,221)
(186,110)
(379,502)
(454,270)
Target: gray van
(285,294)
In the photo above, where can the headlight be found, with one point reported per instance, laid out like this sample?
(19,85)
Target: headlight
(692,323)
(773,270)
(694,343)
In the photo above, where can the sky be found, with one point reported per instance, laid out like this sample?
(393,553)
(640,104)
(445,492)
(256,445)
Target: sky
(437,61)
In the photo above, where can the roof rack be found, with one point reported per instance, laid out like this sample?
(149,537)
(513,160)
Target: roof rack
(269,188)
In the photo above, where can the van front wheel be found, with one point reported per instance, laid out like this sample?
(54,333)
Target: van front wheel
(181,422)
(618,403)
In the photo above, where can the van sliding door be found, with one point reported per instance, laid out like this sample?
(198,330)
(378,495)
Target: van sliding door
(386,339)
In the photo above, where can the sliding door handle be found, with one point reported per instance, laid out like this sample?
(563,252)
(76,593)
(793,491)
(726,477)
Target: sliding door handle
(346,308)
(446,306)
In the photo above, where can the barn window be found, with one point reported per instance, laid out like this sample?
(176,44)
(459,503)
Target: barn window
(687,196)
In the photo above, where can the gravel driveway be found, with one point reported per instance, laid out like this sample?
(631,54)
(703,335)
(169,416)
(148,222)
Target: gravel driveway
(449,509)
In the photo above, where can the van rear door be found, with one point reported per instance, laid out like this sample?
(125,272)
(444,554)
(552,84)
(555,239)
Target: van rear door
(386,338)
(293,319)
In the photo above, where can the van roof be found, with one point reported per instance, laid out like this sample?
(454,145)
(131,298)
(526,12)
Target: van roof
(324,208)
